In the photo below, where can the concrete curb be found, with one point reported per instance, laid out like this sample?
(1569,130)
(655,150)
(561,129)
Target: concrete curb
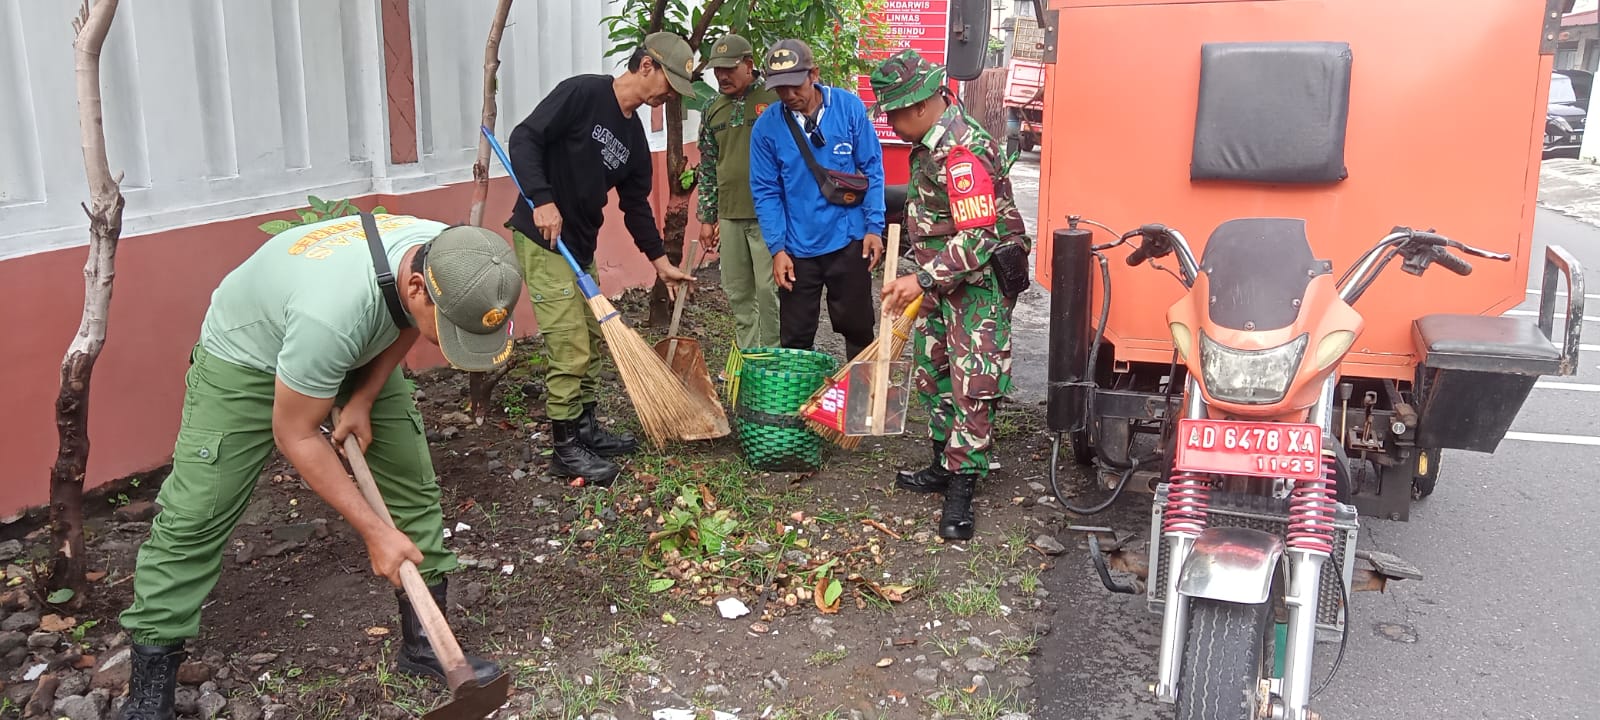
(1572,188)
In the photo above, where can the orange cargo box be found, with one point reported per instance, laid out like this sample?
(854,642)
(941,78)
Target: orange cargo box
(1445,121)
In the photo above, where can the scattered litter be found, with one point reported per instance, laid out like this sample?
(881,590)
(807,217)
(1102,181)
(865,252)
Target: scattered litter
(732,608)
(37,670)
(679,714)
(377,631)
(885,662)
(462,527)
(507,569)
(447,533)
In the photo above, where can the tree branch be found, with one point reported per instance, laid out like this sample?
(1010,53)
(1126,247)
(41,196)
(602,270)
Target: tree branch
(658,17)
(708,14)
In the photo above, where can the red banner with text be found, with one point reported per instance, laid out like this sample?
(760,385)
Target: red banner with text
(920,25)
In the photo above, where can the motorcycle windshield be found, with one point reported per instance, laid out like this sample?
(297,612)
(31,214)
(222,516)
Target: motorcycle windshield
(1258,269)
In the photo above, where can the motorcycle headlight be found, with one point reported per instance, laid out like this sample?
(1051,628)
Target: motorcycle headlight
(1250,377)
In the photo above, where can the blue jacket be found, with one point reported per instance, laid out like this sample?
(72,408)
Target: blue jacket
(793,214)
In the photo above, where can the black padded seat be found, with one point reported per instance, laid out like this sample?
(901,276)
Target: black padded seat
(1485,344)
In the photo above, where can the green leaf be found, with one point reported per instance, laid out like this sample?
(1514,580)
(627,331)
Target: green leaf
(834,591)
(61,596)
(308,216)
(317,203)
(380,210)
(273,227)
(686,178)
(660,584)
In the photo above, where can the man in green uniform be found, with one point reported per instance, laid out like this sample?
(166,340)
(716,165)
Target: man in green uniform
(317,317)
(582,141)
(726,208)
(971,249)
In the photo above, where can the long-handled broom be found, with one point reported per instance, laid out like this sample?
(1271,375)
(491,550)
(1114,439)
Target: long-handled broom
(666,408)
(835,435)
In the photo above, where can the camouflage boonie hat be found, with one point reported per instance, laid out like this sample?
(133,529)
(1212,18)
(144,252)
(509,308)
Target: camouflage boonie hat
(905,80)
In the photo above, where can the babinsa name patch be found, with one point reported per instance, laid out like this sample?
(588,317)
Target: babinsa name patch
(970,188)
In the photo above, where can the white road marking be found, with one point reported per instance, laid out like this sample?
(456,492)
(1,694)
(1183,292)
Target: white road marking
(1535,313)
(1563,293)
(1576,387)
(1553,438)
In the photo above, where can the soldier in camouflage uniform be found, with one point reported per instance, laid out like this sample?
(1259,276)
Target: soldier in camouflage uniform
(967,240)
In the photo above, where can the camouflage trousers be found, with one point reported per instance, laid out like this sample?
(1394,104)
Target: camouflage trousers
(963,367)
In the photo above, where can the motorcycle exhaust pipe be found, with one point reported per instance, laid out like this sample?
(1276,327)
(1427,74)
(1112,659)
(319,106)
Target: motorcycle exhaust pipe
(1070,333)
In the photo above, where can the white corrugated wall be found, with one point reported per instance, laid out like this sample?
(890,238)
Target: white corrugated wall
(215,110)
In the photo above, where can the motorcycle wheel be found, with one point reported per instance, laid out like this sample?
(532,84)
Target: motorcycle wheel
(1224,660)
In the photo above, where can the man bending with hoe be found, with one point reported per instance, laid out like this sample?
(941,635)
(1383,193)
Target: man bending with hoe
(302,325)
(583,140)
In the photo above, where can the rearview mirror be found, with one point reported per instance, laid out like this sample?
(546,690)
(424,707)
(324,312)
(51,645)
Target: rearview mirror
(968,47)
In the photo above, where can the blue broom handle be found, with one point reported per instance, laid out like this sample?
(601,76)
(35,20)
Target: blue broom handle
(585,283)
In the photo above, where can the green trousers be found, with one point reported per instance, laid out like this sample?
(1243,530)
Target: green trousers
(223,444)
(747,279)
(571,333)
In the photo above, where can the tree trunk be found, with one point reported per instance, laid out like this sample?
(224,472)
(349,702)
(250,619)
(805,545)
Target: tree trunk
(491,68)
(68,568)
(480,386)
(676,222)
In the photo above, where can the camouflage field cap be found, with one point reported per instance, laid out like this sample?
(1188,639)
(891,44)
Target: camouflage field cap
(905,80)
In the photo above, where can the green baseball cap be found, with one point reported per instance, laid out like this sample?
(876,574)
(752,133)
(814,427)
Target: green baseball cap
(729,51)
(904,80)
(474,281)
(672,53)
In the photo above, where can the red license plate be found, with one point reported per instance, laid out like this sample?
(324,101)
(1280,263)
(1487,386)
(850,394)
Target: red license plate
(1260,449)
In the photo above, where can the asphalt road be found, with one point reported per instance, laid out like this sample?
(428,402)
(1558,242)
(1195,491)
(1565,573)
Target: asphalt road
(1504,624)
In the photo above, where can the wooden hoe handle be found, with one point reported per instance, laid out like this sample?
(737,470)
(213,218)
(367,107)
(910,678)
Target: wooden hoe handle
(445,646)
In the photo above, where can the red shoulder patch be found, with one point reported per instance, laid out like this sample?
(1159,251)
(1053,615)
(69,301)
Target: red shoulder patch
(970,188)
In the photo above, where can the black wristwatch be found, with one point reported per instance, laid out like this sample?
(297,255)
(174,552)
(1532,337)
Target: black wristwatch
(924,279)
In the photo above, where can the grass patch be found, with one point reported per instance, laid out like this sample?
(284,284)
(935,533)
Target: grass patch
(975,706)
(977,596)
(824,658)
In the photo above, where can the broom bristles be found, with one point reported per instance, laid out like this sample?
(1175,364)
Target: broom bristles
(666,408)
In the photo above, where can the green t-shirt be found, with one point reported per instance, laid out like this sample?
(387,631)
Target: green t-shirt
(306,306)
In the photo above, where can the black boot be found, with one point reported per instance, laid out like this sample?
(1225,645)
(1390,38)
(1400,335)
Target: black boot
(957,521)
(933,478)
(603,443)
(574,459)
(416,653)
(152,683)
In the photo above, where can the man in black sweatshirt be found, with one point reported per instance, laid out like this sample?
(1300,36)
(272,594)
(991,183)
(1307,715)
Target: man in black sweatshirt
(583,140)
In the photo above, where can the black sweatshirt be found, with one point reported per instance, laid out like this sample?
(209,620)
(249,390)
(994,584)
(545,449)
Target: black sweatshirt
(572,150)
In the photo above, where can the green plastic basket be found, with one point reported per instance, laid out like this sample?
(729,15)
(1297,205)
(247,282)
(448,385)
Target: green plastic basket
(772,385)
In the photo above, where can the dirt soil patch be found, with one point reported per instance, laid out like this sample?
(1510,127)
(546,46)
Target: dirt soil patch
(601,603)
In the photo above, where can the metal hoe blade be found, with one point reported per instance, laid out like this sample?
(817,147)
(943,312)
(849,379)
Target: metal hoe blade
(473,702)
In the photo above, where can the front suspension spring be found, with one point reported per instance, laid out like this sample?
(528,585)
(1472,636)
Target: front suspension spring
(1188,498)
(1311,508)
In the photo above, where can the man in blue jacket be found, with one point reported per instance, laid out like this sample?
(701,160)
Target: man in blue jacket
(818,240)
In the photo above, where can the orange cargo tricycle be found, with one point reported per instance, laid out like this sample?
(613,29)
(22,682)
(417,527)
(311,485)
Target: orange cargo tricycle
(1272,383)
